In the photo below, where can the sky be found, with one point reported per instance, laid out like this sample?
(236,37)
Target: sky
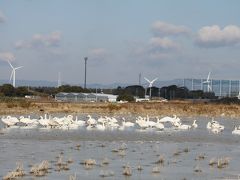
(167,39)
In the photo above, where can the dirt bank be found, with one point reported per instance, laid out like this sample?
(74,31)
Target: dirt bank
(180,108)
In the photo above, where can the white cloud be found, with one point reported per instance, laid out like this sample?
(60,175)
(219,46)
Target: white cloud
(156,49)
(7,56)
(2,17)
(162,44)
(98,54)
(214,36)
(164,29)
(40,41)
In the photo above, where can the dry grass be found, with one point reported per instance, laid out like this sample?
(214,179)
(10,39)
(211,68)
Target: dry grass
(18,172)
(40,169)
(161,160)
(139,168)
(197,169)
(223,162)
(155,108)
(61,165)
(127,171)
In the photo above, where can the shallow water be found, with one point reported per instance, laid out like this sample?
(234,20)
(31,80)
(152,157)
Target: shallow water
(31,146)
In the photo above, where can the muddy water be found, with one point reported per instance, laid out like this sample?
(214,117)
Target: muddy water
(31,146)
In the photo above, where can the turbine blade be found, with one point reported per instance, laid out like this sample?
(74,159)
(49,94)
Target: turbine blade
(147,80)
(205,82)
(10,64)
(208,75)
(210,88)
(18,67)
(154,80)
(11,76)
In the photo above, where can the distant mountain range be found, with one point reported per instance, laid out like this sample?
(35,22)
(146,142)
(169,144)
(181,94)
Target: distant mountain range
(42,83)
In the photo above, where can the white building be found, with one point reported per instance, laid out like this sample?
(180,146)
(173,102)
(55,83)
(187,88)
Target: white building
(85,97)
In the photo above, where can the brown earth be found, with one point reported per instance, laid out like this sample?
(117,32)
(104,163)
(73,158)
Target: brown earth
(180,108)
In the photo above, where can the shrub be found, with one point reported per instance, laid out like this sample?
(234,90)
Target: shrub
(112,107)
(24,104)
(11,104)
(125,97)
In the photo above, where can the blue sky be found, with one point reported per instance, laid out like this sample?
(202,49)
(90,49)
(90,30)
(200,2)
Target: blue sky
(159,38)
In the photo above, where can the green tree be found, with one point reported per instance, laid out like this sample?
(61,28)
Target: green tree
(125,97)
(22,91)
(7,90)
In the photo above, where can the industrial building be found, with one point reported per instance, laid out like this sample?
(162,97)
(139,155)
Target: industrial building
(85,97)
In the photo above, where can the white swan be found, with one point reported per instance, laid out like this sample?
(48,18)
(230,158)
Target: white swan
(101,120)
(215,130)
(127,124)
(218,126)
(91,121)
(166,119)
(101,127)
(60,121)
(194,125)
(159,126)
(89,127)
(181,126)
(9,121)
(236,130)
(113,120)
(150,123)
(142,124)
(209,125)
(52,123)
(43,121)
(113,125)
(26,121)
(79,122)
(215,125)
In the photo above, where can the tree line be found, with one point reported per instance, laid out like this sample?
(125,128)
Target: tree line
(124,93)
(167,92)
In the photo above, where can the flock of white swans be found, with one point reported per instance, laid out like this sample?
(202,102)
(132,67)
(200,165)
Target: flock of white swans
(103,123)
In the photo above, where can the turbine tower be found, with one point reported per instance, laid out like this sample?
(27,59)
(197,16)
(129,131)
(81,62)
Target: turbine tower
(150,86)
(59,80)
(139,79)
(13,74)
(85,78)
(208,82)
(238,96)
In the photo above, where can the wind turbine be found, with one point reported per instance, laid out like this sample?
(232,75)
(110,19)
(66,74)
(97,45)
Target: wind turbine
(238,96)
(208,82)
(150,86)
(59,79)
(13,74)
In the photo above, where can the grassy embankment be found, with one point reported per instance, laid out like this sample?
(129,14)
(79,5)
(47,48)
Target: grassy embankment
(180,108)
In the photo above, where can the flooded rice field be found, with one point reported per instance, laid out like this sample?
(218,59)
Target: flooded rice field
(131,153)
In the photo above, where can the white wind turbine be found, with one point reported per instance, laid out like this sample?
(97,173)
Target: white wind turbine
(13,74)
(208,82)
(59,79)
(238,96)
(150,86)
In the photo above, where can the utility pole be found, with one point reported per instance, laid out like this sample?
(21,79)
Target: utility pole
(220,88)
(230,88)
(192,85)
(85,79)
(139,79)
